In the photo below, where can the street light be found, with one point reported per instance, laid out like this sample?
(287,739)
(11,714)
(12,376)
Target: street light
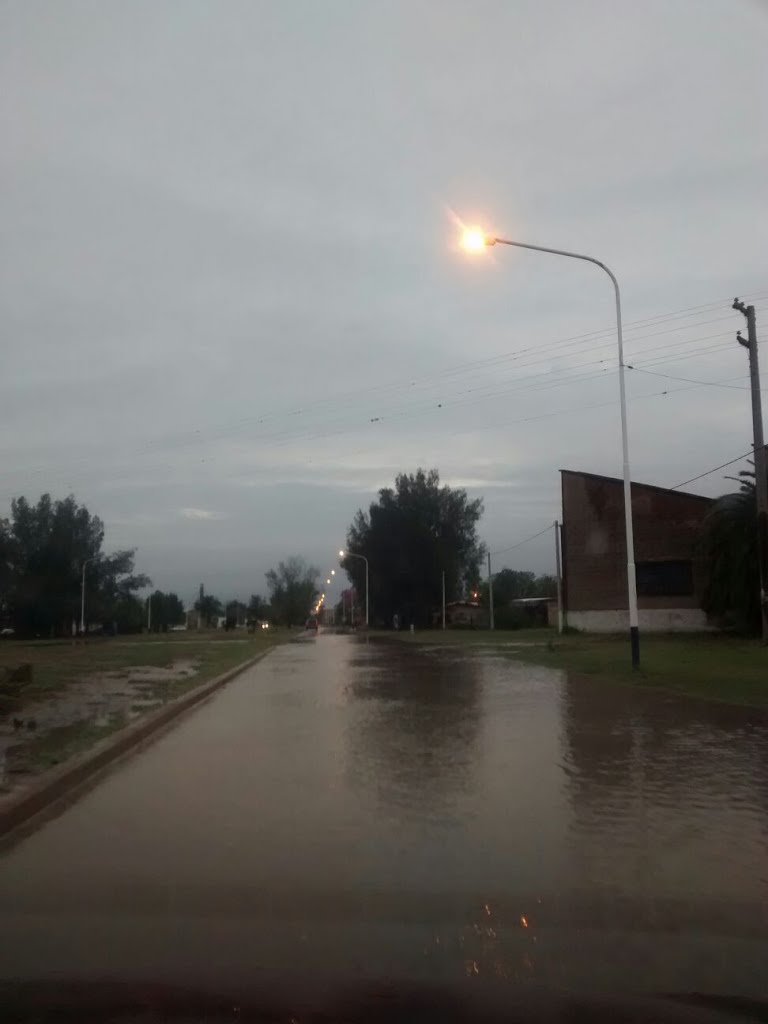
(82,597)
(476,240)
(351,554)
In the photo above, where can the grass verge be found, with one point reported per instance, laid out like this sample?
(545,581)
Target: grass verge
(711,666)
(57,664)
(54,722)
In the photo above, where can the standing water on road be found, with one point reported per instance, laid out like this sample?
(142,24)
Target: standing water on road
(385,810)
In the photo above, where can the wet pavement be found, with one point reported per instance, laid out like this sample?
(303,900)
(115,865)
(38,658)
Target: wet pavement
(377,809)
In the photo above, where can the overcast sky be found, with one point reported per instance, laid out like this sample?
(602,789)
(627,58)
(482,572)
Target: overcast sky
(232,304)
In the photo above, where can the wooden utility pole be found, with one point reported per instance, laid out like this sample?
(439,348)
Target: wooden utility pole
(761,480)
(443,600)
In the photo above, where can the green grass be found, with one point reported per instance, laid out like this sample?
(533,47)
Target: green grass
(711,666)
(56,664)
(66,741)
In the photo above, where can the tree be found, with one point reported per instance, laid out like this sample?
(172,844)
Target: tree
(293,591)
(258,609)
(209,608)
(167,610)
(234,613)
(511,584)
(413,534)
(129,615)
(732,590)
(546,586)
(43,549)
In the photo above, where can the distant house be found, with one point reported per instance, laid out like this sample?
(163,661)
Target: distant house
(193,619)
(536,611)
(670,569)
(464,613)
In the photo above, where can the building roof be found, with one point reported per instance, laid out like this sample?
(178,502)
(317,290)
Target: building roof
(636,483)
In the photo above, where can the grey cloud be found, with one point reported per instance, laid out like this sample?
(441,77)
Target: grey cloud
(228,253)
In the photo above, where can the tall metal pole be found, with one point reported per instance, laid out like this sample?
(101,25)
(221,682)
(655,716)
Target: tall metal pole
(352,554)
(149,614)
(490,594)
(559,579)
(82,597)
(443,600)
(761,479)
(634,630)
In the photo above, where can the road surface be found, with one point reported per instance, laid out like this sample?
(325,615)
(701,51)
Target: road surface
(382,810)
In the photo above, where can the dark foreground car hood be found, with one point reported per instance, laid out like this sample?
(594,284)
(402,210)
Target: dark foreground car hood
(325,1002)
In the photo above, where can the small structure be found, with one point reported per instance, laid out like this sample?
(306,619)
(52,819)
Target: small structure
(670,569)
(464,613)
(536,611)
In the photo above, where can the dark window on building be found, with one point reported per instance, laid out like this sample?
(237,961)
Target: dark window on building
(664,579)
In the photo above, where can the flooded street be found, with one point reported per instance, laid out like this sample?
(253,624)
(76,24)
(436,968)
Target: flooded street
(378,809)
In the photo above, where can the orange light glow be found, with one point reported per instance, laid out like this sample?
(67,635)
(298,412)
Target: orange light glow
(474,240)
(524,921)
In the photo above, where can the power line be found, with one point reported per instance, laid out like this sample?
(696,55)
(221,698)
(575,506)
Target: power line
(287,436)
(690,380)
(710,471)
(195,438)
(520,543)
(529,383)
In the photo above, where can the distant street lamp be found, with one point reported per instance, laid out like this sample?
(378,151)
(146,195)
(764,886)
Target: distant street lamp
(476,240)
(82,597)
(351,554)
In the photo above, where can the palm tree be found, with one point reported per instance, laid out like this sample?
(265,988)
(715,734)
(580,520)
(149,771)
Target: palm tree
(732,593)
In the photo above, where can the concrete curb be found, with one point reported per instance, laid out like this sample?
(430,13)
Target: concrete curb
(57,788)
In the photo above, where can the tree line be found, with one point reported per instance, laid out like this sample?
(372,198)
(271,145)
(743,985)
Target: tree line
(52,554)
(414,535)
(46,549)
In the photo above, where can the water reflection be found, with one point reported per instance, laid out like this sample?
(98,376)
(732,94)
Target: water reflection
(392,811)
(669,800)
(412,737)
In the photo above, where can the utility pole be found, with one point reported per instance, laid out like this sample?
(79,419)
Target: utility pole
(490,594)
(761,481)
(82,598)
(443,600)
(559,579)
(149,614)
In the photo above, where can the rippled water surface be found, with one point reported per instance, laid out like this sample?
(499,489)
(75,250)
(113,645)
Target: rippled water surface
(380,809)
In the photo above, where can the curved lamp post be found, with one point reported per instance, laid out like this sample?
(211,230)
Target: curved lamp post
(475,240)
(351,554)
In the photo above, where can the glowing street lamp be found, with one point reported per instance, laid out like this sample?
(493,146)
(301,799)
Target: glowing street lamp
(475,240)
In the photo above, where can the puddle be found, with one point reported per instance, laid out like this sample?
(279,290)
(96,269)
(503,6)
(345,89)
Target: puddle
(97,701)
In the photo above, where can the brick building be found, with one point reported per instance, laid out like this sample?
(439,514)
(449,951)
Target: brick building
(670,571)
